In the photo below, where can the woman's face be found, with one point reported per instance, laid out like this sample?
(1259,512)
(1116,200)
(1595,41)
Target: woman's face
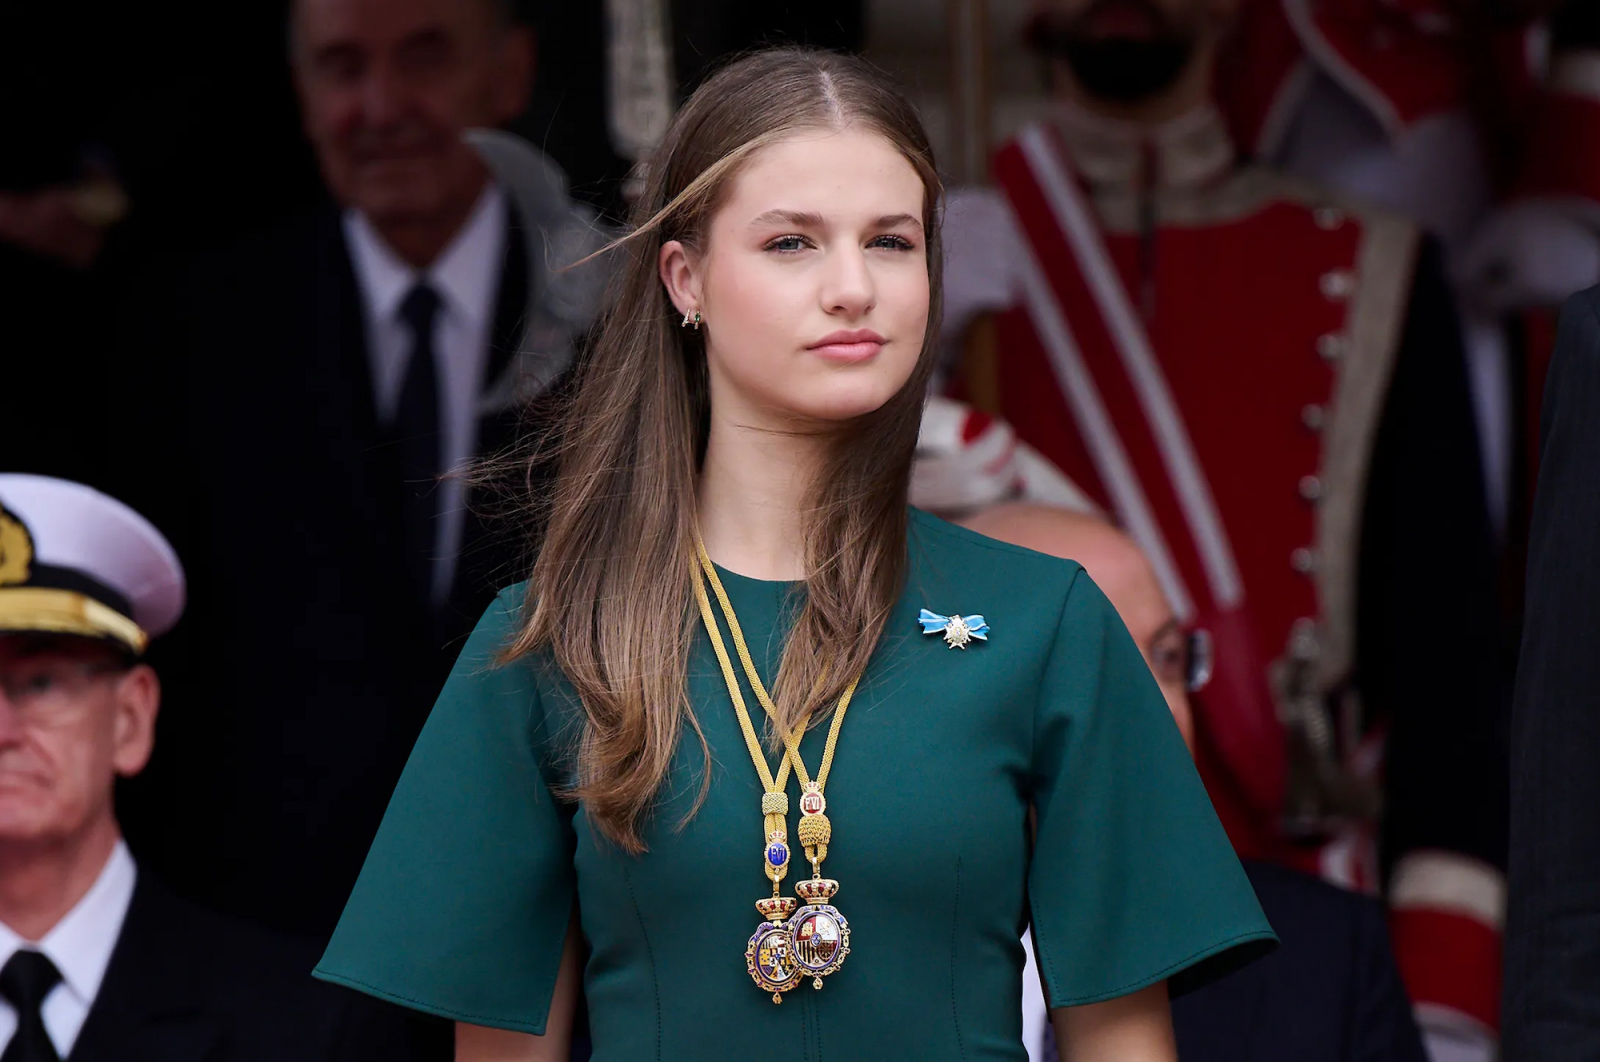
(813,282)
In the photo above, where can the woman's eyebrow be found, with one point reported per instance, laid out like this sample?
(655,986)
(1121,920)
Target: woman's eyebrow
(800,219)
(809,219)
(894,221)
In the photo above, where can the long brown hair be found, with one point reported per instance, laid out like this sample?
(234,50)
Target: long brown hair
(611,595)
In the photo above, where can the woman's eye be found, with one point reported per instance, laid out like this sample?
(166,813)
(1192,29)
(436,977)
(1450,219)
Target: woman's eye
(787,243)
(893,243)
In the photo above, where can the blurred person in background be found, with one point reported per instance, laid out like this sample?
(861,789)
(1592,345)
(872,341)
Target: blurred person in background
(331,381)
(1266,385)
(60,201)
(1400,105)
(98,961)
(1542,244)
(1553,931)
(52,239)
(1368,97)
(1331,992)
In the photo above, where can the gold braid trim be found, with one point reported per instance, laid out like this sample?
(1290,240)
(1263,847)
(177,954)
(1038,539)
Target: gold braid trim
(53,611)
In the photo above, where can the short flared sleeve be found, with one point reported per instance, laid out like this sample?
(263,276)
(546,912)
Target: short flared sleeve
(1133,880)
(462,907)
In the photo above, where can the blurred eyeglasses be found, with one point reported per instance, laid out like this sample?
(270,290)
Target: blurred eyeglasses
(1199,661)
(44,689)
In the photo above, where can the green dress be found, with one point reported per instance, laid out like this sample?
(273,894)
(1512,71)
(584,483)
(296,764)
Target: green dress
(462,907)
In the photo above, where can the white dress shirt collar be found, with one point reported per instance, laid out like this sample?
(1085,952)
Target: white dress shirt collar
(465,275)
(80,945)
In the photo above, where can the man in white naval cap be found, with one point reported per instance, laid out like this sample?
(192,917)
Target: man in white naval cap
(97,960)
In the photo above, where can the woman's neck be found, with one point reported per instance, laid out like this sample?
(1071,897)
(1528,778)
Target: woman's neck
(753,490)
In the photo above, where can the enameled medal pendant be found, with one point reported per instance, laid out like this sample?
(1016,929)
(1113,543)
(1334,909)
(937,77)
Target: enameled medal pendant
(820,933)
(789,945)
(771,955)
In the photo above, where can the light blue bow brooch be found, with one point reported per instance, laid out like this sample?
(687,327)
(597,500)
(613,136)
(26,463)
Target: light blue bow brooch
(958,631)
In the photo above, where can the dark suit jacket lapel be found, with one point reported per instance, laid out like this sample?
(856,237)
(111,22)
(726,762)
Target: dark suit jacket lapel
(151,1005)
(341,367)
(358,463)
(489,551)
(511,304)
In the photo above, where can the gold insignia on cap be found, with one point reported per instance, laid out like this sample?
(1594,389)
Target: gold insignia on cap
(16,549)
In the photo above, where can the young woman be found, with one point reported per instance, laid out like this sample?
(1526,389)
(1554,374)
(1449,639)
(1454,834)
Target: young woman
(755,733)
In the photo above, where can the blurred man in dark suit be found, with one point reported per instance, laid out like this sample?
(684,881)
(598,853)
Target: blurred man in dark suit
(331,380)
(60,199)
(1552,993)
(99,962)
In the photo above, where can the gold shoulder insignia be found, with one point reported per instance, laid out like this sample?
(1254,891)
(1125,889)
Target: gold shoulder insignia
(16,549)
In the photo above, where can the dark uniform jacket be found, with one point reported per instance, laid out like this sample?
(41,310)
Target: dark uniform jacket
(306,664)
(186,985)
(1552,983)
(1330,993)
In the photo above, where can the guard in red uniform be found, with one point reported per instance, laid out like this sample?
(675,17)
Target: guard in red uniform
(1267,388)
(1403,105)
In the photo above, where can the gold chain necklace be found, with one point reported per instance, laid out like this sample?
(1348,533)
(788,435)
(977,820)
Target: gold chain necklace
(790,944)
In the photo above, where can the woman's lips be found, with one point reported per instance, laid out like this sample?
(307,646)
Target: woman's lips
(848,347)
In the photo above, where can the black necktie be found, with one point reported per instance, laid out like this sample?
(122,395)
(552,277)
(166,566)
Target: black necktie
(24,983)
(416,427)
